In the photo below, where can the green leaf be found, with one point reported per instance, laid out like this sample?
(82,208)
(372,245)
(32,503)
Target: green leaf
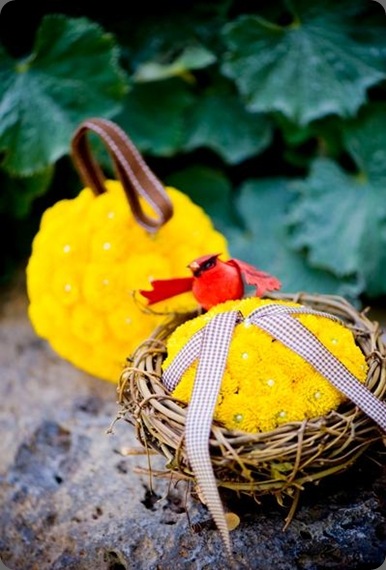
(306,70)
(72,74)
(211,190)
(162,35)
(218,120)
(153,115)
(192,57)
(365,139)
(325,133)
(264,206)
(340,220)
(18,194)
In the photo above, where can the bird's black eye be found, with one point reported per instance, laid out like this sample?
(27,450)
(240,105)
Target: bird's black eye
(208,264)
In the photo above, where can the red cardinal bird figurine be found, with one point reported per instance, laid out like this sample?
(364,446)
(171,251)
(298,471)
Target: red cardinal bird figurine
(213,281)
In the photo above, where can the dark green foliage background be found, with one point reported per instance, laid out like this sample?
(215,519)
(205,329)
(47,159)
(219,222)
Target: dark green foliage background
(272,116)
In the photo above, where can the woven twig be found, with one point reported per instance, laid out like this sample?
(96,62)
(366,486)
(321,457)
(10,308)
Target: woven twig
(281,461)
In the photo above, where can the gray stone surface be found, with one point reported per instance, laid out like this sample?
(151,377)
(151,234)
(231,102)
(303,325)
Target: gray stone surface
(71,498)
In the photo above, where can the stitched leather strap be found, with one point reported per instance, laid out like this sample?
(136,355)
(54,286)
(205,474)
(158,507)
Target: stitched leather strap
(136,177)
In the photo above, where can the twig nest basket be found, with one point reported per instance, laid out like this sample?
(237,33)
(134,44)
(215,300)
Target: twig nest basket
(279,460)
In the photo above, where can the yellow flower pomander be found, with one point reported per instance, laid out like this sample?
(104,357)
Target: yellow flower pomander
(266,384)
(88,257)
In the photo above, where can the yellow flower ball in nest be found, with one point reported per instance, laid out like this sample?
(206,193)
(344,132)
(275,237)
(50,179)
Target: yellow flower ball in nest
(266,384)
(88,258)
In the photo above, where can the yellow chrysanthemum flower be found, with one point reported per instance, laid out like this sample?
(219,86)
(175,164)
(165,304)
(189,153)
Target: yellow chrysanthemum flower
(88,258)
(266,384)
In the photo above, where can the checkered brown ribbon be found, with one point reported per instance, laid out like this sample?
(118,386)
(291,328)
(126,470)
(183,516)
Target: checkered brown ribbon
(136,177)
(210,346)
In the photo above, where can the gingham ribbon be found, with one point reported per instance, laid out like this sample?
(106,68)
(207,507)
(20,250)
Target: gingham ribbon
(130,168)
(215,341)
(210,346)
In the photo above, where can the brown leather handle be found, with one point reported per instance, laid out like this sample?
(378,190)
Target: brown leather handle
(136,177)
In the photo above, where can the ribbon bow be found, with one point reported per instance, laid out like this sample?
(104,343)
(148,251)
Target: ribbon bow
(210,346)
